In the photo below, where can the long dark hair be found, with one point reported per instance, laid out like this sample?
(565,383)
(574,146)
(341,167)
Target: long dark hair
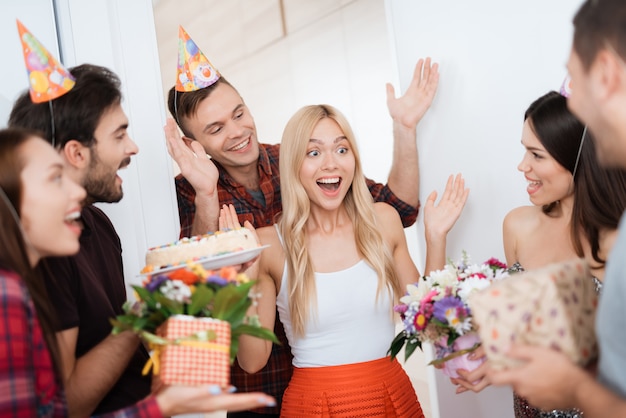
(13,253)
(599,193)
(599,200)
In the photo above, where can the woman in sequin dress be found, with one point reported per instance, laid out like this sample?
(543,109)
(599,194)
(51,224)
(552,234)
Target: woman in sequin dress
(575,213)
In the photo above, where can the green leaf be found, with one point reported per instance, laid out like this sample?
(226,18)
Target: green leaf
(396,345)
(259,332)
(227,300)
(119,326)
(172,307)
(411,345)
(234,348)
(146,296)
(200,298)
(237,315)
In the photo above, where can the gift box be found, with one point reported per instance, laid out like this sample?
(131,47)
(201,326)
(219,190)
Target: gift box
(552,307)
(197,352)
(452,358)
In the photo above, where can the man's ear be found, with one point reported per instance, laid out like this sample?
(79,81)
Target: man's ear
(188,140)
(76,154)
(610,73)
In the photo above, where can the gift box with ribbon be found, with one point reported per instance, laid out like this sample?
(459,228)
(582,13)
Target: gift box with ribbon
(552,307)
(194,351)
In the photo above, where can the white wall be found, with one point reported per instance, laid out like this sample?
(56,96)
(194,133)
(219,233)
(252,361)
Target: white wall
(14,78)
(119,34)
(496,57)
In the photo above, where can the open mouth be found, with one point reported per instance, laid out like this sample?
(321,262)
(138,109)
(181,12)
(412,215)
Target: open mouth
(73,219)
(330,184)
(533,185)
(240,146)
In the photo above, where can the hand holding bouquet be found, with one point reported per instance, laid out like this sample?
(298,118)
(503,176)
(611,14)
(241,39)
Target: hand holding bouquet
(435,310)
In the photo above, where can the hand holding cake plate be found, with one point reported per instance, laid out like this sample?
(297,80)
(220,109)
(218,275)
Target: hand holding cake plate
(214,250)
(213,262)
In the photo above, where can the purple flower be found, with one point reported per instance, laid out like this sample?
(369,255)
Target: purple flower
(218,280)
(156,282)
(447,307)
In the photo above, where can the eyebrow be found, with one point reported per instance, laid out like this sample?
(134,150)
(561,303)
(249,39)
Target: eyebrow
(532,148)
(55,166)
(122,127)
(338,139)
(212,124)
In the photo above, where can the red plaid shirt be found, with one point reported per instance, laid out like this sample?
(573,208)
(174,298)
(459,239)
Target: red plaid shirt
(28,381)
(30,387)
(274,377)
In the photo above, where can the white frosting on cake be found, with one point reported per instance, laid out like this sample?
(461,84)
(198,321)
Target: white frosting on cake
(200,246)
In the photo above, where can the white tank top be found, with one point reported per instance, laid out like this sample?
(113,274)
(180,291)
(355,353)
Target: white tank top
(351,326)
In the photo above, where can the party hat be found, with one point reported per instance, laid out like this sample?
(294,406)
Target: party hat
(194,69)
(566,87)
(48,78)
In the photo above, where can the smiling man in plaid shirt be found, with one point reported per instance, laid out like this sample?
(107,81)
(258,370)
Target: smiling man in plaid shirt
(222,162)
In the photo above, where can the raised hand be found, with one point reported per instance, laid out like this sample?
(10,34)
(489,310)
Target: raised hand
(229,220)
(194,163)
(439,219)
(408,110)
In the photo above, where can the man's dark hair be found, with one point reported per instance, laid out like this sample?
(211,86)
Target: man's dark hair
(185,104)
(76,113)
(599,23)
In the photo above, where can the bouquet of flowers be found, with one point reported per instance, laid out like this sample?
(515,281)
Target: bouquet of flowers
(436,310)
(195,313)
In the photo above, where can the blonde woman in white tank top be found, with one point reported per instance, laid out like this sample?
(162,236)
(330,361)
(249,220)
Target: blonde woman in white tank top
(335,266)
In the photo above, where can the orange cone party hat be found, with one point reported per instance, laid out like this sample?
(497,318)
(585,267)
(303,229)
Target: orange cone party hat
(48,78)
(194,71)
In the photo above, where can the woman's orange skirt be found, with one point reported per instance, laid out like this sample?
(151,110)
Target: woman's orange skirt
(378,388)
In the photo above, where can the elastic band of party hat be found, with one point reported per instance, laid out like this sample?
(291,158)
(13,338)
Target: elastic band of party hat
(566,91)
(194,71)
(48,79)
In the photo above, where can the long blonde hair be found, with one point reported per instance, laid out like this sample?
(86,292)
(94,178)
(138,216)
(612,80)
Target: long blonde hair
(296,210)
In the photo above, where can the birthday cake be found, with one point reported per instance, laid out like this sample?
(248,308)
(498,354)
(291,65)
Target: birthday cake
(200,246)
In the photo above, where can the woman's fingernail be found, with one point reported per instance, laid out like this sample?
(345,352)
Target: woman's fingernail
(267,402)
(215,390)
(231,389)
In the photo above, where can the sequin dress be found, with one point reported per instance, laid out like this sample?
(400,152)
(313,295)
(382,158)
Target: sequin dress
(521,406)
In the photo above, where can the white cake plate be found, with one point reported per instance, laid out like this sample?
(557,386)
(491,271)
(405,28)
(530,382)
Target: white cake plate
(218,261)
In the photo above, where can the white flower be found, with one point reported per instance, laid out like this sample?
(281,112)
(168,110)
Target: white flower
(444,278)
(176,290)
(470,285)
(416,293)
(461,326)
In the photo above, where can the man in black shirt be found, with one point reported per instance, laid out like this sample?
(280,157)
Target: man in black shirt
(101,372)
